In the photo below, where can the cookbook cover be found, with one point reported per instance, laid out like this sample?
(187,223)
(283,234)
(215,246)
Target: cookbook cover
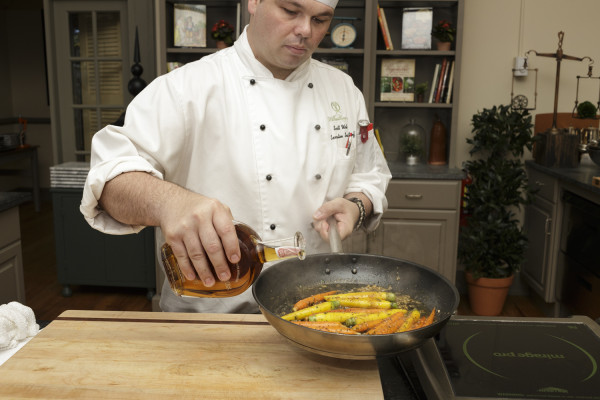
(397,79)
(190,25)
(416,28)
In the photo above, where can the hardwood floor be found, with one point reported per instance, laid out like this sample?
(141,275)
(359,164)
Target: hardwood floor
(43,292)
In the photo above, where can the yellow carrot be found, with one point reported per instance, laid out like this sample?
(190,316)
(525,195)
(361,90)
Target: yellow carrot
(359,319)
(361,295)
(412,318)
(357,310)
(332,316)
(312,300)
(366,303)
(317,308)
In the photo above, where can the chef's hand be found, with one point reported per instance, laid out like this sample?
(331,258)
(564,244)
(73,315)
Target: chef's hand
(344,212)
(200,228)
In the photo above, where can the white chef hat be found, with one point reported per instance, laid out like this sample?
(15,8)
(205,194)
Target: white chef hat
(330,3)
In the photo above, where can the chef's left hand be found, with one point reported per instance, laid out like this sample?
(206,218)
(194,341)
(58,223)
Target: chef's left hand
(345,213)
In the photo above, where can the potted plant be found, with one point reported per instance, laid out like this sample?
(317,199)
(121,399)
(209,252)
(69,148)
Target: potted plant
(444,33)
(222,32)
(420,90)
(492,244)
(586,109)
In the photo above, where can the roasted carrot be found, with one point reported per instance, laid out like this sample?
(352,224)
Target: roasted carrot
(357,310)
(359,319)
(412,318)
(365,326)
(333,327)
(317,308)
(312,300)
(388,325)
(430,318)
(366,303)
(420,323)
(332,316)
(361,295)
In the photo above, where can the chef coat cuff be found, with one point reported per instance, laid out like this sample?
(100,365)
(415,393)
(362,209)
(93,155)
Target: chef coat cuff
(94,184)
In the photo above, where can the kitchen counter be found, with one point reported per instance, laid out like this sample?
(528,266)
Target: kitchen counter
(580,177)
(401,170)
(136,355)
(9,200)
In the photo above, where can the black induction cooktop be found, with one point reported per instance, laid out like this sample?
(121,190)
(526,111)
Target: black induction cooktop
(511,358)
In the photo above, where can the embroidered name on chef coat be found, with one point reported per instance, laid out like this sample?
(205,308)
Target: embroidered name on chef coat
(339,129)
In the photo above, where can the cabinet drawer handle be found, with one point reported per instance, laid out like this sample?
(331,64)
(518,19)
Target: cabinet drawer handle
(547,226)
(413,196)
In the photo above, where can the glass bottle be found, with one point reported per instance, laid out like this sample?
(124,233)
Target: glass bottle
(412,143)
(254,253)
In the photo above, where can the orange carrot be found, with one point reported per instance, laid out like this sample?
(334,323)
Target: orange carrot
(365,326)
(314,299)
(333,327)
(429,319)
(420,323)
(389,325)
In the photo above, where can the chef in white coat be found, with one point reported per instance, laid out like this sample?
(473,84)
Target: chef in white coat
(259,132)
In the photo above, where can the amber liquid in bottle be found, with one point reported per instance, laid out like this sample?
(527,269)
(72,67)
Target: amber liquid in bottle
(254,253)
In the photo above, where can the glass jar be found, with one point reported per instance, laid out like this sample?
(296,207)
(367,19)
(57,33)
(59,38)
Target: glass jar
(254,253)
(412,143)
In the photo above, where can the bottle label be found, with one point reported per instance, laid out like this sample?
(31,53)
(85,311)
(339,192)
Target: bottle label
(287,251)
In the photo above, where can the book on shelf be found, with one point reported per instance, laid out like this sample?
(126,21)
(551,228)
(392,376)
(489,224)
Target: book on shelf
(434,80)
(397,79)
(385,32)
(440,84)
(416,27)
(450,84)
(189,21)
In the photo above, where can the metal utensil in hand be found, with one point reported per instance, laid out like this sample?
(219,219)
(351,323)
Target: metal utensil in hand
(335,241)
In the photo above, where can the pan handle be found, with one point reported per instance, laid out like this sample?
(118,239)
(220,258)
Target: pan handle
(334,236)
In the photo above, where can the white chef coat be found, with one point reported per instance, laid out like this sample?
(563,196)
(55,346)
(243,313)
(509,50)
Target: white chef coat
(272,150)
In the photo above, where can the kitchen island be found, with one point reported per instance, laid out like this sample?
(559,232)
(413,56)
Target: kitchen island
(135,355)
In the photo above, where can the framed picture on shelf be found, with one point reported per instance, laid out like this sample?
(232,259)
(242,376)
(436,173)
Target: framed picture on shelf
(397,79)
(189,25)
(416,28)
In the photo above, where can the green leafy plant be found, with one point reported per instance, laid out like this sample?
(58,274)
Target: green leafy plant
(587,109)
(443,31)
(492,244)
(411,145)
(421,88)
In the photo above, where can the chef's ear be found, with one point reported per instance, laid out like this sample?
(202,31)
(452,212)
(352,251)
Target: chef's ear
(252,5)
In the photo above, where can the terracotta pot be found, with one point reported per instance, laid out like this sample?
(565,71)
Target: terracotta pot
(444,46)
(221,44)
(487,295)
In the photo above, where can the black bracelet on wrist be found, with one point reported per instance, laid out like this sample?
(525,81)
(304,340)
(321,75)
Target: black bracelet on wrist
(361,212)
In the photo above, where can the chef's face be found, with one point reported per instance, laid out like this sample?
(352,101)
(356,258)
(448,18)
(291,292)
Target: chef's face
(284,33)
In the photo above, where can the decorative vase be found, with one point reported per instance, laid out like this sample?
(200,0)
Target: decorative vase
(412,142)
(487,295)
(444,46)
(221,44)
(437,144)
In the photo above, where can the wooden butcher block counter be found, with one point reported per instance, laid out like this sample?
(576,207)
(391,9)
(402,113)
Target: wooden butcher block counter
(135,355)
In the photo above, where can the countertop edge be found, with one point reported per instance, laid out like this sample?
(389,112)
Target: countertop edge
(9,200)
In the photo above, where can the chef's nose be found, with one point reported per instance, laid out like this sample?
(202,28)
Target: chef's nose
(304,27)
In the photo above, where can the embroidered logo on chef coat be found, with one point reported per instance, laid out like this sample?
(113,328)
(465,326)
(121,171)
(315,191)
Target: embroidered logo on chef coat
(339,129)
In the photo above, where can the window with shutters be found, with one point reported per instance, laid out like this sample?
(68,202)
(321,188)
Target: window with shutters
(93,66)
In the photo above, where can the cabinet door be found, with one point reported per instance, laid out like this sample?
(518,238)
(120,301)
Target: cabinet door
(12,287)
(424,237)
(537,266)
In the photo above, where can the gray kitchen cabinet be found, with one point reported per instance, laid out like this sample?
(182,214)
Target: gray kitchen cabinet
(12,287)
(541,226)
(85,256)
(421,224)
